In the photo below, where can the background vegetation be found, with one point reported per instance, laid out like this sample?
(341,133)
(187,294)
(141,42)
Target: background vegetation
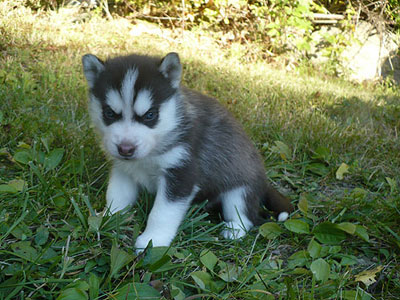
(330,145)
(267,24)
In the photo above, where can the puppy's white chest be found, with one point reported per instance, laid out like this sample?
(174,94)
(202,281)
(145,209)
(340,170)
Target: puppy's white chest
(145,173)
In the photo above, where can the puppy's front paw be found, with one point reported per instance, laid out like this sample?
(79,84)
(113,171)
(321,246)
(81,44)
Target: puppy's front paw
(141,242)
(233,231)
(158,240)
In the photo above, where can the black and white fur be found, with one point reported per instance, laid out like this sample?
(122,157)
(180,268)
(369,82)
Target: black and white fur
(174,142)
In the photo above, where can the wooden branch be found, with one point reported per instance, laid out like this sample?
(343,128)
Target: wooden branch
(328,17)
(325,21)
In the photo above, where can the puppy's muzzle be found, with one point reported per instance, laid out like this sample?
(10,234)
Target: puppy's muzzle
(126,149)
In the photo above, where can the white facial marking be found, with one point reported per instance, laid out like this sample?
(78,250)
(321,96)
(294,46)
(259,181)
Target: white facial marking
(127,86)
(143,102)
(164,219)
(121,191)
(234,211)
(141,136)
(113,99)
(168,118)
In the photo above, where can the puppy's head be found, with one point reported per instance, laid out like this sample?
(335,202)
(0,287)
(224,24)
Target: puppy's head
(134,102)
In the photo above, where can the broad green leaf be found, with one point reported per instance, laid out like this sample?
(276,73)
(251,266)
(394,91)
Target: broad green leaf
(334,249)
(202,279)
(24,250)
(297,226)
(138,291)
(324,251)
(45,142)
(23,145)
(158,259)
(208,259)
(314,248)
(362,233)
(54,158)
(270,230)
(328,233)
(229,272)
(322,153)
(303,205)
(300,271)
(18,184)
(119,258)
(94,223)
(299,254)
(79,284)
(348,260)
(42,234)
(73,294)
(5,188)
(60,201)
(40,157)
(298,259)
(343,169)
(23,157)
(368,277)
(321,269)
(359,294)
(4,152)
(49,254)
(176,293)
(347,227)
(94,286)
(13,186)
(161,264)
(21,231)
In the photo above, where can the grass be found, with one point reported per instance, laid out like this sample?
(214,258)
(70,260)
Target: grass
(331,145)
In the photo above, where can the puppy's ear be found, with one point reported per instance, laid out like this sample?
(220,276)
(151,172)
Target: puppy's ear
(92,67)
(171,68)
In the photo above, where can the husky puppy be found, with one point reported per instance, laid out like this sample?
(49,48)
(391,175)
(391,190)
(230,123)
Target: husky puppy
(174,142)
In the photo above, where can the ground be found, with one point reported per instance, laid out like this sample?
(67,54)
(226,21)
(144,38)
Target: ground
(330,145)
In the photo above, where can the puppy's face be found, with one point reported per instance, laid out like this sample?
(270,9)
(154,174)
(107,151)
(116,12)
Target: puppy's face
(133,102)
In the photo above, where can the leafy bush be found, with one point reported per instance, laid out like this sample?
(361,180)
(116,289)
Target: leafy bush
(268,22)
(274,25)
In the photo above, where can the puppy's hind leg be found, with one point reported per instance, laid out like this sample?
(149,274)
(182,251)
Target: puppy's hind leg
(235,213)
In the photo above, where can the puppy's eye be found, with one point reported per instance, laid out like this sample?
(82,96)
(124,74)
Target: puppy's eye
(109,113)
(150,116)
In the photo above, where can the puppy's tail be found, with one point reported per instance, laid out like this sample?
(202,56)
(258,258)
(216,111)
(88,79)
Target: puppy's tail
(276,202)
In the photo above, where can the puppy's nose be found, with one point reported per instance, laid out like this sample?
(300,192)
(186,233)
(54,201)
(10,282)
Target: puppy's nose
(126,149)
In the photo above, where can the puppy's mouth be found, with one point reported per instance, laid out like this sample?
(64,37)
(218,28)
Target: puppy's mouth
(127,158)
